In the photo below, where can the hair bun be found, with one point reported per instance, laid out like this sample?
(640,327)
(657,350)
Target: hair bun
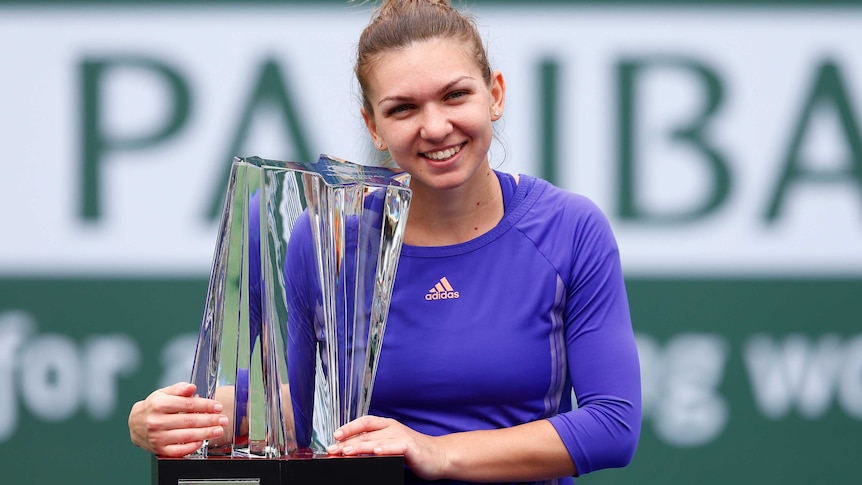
(398,23)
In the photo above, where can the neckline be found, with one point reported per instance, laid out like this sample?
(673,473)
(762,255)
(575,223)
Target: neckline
(521,201)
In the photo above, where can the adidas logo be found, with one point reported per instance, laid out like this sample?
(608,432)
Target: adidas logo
(442,291)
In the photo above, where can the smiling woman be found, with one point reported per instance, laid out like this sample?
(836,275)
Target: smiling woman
(429,105)
(454,404)
(508,295)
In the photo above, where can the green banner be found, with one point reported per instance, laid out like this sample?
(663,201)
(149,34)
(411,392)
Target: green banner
(747,381)
(759,380)
(76,354)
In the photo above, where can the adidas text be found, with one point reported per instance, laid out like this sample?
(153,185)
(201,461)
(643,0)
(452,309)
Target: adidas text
(442,295)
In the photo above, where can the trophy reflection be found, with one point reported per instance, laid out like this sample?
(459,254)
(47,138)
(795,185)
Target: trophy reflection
(297,301)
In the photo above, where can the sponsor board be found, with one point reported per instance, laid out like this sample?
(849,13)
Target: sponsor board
(723,142)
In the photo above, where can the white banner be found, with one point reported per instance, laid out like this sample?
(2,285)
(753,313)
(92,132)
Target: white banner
(734,131)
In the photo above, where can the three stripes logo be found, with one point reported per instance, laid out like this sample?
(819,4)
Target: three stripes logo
(442,291)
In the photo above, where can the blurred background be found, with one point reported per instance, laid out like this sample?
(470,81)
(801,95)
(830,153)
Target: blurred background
(722,138)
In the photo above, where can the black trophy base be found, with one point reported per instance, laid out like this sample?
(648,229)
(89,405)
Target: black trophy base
(360,470)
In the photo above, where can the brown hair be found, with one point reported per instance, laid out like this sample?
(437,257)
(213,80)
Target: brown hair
(398,23)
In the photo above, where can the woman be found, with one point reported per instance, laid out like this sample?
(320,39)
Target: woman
(509,292)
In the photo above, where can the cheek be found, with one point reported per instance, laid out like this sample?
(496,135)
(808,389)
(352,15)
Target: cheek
(475,120)
(479,127)
(402,137)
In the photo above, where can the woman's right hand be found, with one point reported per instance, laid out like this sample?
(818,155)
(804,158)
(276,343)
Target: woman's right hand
(173,422)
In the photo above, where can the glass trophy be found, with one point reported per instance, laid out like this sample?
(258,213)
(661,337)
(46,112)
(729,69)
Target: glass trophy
(297,302)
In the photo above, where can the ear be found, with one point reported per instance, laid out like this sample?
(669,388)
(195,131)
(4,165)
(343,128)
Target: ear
(372,130)
(498,95)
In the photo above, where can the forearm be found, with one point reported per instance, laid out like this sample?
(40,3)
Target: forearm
(531,451)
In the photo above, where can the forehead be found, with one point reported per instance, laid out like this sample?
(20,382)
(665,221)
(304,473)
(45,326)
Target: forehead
(422,65)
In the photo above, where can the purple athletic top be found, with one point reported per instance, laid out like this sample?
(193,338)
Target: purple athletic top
(499,330)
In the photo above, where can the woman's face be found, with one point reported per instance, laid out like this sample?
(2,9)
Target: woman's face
(433,111)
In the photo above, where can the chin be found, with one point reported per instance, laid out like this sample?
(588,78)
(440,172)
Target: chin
(446,181)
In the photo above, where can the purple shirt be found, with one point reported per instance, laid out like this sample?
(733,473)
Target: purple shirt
(497,331)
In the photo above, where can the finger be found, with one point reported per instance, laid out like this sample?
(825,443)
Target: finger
(186,421)
(348,446)
(179,450)
(164,439)
(389,449)
(372,447)
(361,443)
(361,425)
(170,404)
(180,389)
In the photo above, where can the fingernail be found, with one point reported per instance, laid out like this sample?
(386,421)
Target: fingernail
(338,434)
(347,449)
(331,449)
(218,407)
(223,421)
(378,451)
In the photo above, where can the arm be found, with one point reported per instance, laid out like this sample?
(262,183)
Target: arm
(478,456)
(603,431)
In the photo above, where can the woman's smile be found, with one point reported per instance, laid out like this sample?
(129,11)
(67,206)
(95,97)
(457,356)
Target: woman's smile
(444,154)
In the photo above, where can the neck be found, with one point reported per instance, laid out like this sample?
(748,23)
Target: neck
(457,215)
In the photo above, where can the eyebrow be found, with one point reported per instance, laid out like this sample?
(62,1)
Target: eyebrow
(442,90)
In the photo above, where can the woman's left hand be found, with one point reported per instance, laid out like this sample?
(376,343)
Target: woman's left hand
(424,454)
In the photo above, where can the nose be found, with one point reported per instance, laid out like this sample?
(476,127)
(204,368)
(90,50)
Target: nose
(435,125)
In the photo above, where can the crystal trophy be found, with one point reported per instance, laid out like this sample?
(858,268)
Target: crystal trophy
(297,302)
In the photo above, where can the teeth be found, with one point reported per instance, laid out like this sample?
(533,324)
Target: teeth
(443,154)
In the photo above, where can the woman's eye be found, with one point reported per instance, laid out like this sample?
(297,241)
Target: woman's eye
(399,109)
(457,94)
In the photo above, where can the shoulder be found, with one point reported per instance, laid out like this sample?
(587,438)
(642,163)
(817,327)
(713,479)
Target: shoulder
(553,195)
(556,209)
(569,229)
